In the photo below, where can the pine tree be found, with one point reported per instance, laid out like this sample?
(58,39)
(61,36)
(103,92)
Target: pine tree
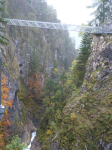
(101,12)
(3,39)
(16,144)
(79,68)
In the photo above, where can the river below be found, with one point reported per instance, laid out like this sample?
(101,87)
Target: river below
(33,134)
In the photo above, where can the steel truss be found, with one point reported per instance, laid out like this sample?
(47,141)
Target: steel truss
(51,25)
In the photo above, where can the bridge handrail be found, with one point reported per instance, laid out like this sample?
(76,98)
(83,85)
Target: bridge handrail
(50,25)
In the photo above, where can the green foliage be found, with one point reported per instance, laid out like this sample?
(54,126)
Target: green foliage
(22,91)
(34,64)
(55,92)
(101,11)
(45,147)
(90,121)
(32,108)
(16,123)
(27,103)
(3,39)
(79,67)
(24,114)
(15,144)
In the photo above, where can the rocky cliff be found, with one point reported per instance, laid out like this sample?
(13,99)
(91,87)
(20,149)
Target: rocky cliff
(86,120)
(11,69)
(29,51)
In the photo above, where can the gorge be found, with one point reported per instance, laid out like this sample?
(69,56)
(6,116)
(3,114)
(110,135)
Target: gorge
(61,96)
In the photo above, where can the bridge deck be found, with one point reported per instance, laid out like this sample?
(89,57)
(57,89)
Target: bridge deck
(105,29)
(51,25)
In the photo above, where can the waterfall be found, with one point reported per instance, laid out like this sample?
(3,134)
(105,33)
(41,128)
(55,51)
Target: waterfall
(33,134)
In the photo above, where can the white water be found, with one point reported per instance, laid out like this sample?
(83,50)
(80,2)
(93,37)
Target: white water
(33,134)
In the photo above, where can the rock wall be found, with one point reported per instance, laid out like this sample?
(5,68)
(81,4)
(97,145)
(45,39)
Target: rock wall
(49,48)
(11,69)
(98,74)
(91,106)
(100,61)
(35,145)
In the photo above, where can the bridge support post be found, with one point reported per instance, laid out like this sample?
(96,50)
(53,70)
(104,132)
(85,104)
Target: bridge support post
(96,37)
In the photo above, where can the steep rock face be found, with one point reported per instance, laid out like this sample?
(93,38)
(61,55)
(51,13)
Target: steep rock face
(99,78)
(100,62)
(28,128)
(35,145)
(17,125)
(87,119)
(29,51)
(11,69)
(39,50)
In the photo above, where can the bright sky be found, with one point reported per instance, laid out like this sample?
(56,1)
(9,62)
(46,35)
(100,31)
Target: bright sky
(72,12)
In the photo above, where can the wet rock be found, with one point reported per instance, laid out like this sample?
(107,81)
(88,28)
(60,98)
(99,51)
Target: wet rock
(28,128)
(35,145)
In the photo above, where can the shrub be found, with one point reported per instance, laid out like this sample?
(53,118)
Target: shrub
(15,144)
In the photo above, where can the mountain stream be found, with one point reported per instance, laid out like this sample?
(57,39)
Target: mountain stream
(33,134)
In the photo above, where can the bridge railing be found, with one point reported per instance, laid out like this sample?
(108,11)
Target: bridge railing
(106,28)
(51,25)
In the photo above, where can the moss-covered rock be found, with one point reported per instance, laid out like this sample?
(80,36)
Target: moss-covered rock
(91,127)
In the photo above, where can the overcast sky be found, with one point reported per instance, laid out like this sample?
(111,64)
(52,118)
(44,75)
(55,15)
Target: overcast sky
(72,12)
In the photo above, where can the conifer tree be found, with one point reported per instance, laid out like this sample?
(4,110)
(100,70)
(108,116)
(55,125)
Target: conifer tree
(101,11)
(78,70)
(3,39)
